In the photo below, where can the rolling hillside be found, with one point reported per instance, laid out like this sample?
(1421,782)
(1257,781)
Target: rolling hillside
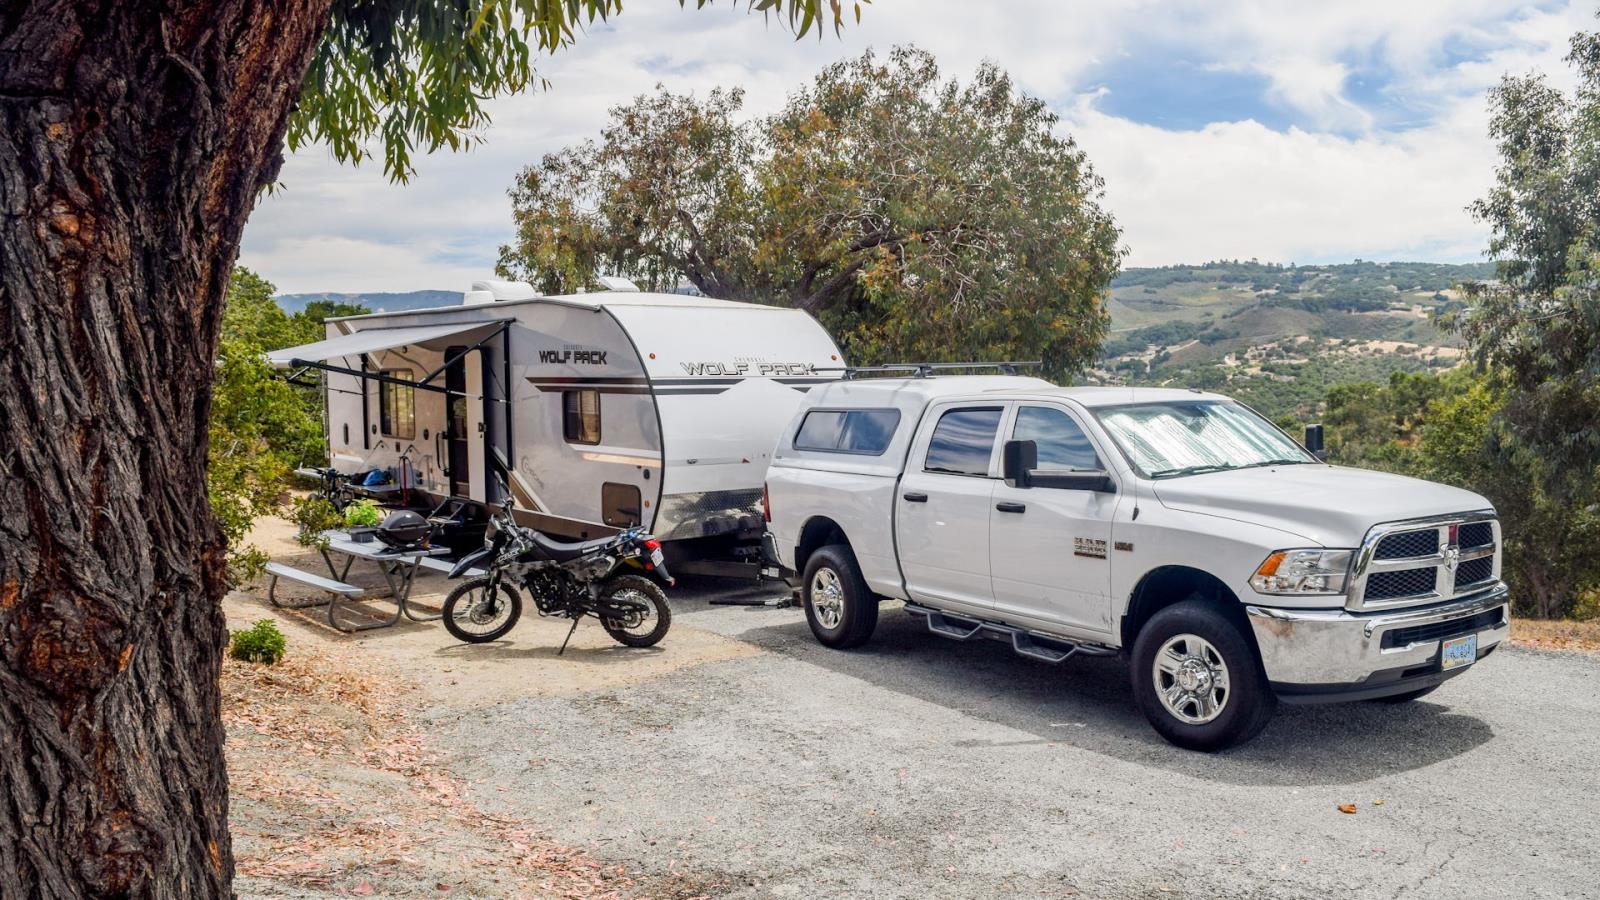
(1278,336)
(377,302)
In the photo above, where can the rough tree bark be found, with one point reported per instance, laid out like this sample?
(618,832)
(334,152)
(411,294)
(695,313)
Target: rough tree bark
(134,138)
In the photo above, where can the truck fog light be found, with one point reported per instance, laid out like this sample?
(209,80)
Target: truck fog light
(1311,571)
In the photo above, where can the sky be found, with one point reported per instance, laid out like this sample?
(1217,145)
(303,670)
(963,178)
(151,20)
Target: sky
(1280,130)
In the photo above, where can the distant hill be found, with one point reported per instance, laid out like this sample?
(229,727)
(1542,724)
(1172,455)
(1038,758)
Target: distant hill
(377,302)
(1278,336)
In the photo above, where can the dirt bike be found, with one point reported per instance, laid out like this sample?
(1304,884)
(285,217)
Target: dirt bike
(608,578)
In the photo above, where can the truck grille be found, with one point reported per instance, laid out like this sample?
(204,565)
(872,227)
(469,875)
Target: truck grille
(1424,561)
(1439,631)
(1408,543)
(1387,585)
(1477,534)
(1474,570)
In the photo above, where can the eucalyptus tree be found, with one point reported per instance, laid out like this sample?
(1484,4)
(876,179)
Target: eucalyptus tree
(135,136)
(915,216)
(1536,327)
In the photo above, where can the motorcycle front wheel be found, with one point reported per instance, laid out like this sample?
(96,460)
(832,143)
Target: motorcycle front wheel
(471,614)
(649,623)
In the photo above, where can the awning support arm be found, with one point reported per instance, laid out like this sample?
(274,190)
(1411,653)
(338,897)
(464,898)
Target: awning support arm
(377,376)
(463,354)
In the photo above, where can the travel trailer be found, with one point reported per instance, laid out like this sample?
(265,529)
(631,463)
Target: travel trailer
(595,411)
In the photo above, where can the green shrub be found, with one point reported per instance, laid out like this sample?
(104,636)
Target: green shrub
(314,515)
(260,643)
(362,513)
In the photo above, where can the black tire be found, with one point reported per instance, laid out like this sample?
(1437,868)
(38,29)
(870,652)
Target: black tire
(462,600)
(1408,696)
(659,620)
(1220,713)
(847,619)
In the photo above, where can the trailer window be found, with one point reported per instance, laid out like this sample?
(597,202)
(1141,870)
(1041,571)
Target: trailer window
(397,405)
(581,416)
(866,431)
(620,504)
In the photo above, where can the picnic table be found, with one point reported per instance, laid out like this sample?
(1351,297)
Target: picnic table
(398,567)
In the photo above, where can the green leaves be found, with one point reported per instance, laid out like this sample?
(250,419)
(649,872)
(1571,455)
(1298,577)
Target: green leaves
(916,217)
(1536,328)
(410,75)
(261,426)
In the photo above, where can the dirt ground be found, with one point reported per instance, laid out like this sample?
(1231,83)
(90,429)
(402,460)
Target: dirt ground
(338,791)
(739,758)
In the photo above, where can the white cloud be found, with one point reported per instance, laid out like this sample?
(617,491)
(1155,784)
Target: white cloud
(1346,182)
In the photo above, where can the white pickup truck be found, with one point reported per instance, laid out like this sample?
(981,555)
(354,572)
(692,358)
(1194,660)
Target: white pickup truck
(1232,567)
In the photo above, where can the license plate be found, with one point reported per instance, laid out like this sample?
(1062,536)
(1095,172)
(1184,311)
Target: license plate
(1457,652)
(655,556)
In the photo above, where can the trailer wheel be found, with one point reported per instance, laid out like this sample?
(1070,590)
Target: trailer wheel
(1197,680)
(840,609)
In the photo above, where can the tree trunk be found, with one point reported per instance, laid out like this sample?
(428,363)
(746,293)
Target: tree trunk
(134,139)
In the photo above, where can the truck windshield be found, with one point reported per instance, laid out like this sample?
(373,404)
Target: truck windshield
(1167,440)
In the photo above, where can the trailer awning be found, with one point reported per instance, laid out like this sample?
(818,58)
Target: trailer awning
(369,340)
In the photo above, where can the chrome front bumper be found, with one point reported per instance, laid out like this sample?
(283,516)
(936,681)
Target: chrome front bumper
(1334,652)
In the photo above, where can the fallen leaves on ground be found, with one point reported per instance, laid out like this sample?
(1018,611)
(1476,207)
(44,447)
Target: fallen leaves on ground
(1348,808)
(334,787)
(1556,634)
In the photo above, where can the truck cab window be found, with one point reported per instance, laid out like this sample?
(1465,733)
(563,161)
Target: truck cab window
(1062,443)
(397,405)
(581,416)
(963,441)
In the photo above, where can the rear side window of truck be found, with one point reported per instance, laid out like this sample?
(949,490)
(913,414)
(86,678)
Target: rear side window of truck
(864,431)
(963,441)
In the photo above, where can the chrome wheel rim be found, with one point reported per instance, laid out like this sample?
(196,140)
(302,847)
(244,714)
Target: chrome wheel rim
(827,598)
(1191,678)
(635,621)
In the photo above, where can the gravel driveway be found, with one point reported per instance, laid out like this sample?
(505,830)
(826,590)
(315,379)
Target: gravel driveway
(919,767)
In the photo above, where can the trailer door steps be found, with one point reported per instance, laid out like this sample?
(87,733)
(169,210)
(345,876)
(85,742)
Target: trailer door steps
(1043,647)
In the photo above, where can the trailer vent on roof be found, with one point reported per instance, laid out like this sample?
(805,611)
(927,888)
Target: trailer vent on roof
(616,283)
(495,290)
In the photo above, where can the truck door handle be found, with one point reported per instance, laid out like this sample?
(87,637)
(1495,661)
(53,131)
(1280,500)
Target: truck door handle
(915,497)
(1011,507)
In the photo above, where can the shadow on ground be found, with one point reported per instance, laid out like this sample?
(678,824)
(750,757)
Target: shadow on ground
(1088,703)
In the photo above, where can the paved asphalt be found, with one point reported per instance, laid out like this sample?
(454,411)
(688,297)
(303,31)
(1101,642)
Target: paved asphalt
(921,767)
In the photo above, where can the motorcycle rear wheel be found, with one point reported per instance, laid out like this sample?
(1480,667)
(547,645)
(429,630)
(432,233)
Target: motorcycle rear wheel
(470,617)
(650,627)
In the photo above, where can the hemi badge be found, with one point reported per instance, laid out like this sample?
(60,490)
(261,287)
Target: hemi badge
(1125,545)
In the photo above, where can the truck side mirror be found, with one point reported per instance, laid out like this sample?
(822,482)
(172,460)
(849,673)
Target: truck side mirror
(1314,441)
(1017,460)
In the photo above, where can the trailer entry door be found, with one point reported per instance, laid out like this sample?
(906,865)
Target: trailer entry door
(459,447)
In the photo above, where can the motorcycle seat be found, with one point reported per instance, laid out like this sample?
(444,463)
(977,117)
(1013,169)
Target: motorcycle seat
(562,551)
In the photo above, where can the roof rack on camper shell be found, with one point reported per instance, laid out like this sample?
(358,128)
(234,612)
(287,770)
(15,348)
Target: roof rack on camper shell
(926,369)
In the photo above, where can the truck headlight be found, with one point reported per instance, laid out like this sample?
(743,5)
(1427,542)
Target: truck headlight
(1303,572)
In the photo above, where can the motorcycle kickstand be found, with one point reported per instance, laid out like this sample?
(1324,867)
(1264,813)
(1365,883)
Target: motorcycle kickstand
(574,627)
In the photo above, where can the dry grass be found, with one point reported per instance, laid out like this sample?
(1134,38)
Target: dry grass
(1556,634)
(335,792)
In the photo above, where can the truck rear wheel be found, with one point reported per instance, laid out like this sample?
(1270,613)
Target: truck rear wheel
(840,609)
(1196,678)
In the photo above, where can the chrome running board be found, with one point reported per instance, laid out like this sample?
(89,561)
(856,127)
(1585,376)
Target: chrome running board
(1032,644)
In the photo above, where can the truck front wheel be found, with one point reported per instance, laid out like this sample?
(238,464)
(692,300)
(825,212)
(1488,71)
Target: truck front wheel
(1196,678)
(840,609)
